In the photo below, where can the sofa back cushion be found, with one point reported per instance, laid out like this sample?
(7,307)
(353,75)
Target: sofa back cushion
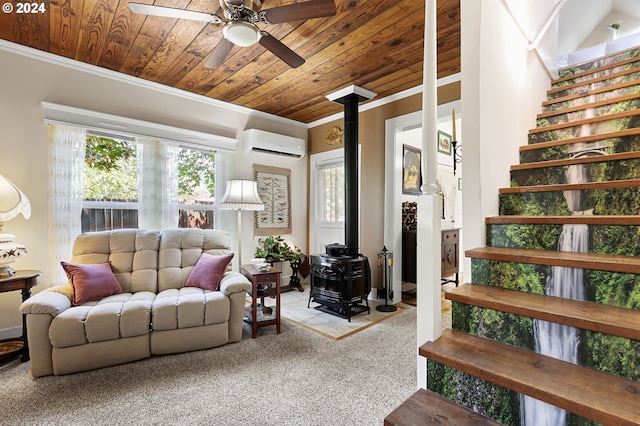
(180,250)
(133,254)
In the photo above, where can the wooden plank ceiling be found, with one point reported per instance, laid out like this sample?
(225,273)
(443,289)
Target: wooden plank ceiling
(375,44)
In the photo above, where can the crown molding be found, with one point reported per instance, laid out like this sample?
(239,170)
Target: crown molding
(62,61)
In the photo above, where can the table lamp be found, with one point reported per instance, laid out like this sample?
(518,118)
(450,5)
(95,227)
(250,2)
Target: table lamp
(240,195)
(12,203)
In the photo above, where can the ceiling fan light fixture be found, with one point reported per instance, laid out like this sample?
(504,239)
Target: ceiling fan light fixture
(241,33)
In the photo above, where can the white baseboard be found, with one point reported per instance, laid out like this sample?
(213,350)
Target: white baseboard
(10,333)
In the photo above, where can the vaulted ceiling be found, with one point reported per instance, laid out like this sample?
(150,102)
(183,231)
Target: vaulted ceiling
(375,44)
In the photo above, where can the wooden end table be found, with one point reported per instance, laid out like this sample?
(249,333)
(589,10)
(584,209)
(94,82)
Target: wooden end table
(263,284)
(21,280)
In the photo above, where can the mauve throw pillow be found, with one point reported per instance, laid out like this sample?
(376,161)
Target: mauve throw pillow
(208,271)
(91,281)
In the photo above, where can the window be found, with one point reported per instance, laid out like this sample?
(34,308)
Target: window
(330,193)
(141,183)
(196,188)
(110,185)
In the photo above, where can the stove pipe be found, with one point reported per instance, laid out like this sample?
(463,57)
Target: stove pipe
(351,219)
(350,97)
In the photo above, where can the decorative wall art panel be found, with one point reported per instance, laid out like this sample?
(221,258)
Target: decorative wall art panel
(274,189)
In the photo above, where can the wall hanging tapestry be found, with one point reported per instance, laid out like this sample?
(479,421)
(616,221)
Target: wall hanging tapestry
(274,189)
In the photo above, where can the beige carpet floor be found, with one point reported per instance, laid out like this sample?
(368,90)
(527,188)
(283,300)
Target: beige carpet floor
(297,377)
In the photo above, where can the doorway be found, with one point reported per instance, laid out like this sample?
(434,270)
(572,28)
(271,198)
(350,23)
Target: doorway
(407,130)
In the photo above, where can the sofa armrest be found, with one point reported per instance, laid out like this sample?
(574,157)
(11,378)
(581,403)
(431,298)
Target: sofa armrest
(234,282)
(53,301)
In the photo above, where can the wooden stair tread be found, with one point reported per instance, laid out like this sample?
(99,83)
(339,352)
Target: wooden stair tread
(561,220)
(595,261)
(593,71)
(589,105)
(580,314)
(604,89)
(597,79)
(426,408)
(575,123)
(626,183)
(580,160)
(590,138)
(574,388)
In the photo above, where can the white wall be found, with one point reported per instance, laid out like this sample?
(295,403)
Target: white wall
(25,82)
(503,86)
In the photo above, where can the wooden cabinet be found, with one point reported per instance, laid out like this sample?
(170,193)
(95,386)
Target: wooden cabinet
(450,255)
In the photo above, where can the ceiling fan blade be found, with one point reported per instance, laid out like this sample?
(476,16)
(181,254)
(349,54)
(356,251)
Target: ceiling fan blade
(219,54)
(300,11)
(170,12)
(280,50)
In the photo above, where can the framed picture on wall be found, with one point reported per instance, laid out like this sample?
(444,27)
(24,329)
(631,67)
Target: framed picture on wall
(444,142)
(411,170)
(274,189)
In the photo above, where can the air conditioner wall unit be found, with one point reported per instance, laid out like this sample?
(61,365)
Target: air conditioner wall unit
(255,140)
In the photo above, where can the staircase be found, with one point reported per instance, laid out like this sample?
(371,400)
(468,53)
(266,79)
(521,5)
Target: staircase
(548,332)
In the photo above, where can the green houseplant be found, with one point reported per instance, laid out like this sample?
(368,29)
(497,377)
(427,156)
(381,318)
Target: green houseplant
(272,248)
(275,249)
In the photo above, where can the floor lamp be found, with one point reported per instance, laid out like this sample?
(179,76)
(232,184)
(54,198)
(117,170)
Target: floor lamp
(240,195)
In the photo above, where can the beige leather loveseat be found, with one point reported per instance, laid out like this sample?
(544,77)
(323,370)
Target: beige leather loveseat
(155,313)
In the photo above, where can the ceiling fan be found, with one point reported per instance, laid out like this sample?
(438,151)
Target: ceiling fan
(241,19)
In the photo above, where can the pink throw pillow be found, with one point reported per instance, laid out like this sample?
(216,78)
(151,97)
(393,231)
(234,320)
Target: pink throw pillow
(91,281)
(208,271)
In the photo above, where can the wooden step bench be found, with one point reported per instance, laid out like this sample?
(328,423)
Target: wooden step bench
(600,262)
(428,408)
(583,391)
(584,315)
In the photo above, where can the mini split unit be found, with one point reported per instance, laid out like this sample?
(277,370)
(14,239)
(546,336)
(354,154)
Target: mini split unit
(272,143)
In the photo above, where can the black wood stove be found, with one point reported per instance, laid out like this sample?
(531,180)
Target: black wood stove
(341,277)
(340,284)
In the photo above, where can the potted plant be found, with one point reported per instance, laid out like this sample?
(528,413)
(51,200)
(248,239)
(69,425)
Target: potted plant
(272,248)
(614,29)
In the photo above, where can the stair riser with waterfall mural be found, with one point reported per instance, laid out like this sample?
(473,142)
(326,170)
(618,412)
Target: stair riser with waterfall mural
(601,171)
(604,124)
(590,257)
(618,142)
(598,83)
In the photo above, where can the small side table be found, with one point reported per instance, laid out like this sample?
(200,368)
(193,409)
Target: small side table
(263,284)
(21,280)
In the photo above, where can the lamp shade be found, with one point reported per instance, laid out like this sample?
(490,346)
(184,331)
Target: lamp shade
(12,201)
(241,195)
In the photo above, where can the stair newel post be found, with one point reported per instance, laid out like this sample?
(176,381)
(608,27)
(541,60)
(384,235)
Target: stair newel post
(428,223)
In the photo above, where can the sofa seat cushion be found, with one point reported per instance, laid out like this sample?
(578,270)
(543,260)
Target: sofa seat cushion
(118,316)
(189,307)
